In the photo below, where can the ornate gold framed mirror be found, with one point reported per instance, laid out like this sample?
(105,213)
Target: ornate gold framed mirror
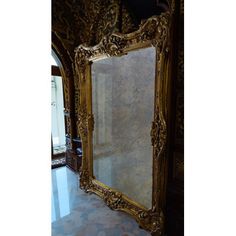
(123,112)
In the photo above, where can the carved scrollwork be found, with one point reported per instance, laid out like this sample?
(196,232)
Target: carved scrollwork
(154,29)
(85,181)
(85,122)
(158,135)
(153,220)
(81,64)
(114,200)
(82,123)
(113,45)
(109,46)
(148,219)
(88,21)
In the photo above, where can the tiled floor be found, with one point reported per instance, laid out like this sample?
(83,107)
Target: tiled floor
(75,213)
(57,162)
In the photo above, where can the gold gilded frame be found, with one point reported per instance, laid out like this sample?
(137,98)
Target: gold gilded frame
(152,32)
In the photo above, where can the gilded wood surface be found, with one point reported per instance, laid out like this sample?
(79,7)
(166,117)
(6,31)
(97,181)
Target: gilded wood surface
(153,31)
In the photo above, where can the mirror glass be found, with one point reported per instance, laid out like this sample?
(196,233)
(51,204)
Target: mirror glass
(123,108)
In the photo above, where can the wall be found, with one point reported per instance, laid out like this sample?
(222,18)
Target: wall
(175,185)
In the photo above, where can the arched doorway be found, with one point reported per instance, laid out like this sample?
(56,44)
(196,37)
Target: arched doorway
(65,68)
(57,115)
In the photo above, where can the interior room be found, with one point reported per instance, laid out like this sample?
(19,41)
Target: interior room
(117,117)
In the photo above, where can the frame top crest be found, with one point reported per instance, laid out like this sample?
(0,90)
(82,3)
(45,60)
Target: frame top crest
(153,29)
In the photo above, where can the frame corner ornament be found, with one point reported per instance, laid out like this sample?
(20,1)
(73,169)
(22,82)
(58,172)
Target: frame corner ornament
(85,181)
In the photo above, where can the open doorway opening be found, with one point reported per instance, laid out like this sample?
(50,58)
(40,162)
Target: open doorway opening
(57,115)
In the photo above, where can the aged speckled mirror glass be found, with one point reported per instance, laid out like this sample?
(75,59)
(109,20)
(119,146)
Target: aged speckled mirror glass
(123,107)
(123,90)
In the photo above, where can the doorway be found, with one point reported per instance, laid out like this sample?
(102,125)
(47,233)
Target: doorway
(58,136)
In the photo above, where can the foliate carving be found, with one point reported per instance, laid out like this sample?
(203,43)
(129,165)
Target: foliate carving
(82,123)
(85,181)
(114,200)
(100,18)
(153,220)
(109,45)
(154,29)
(148,219)
(85,122)
(113,45)
(158,135)
(82,63)
(88,21)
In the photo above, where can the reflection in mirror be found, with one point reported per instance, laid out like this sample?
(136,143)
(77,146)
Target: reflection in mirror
(123,108)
